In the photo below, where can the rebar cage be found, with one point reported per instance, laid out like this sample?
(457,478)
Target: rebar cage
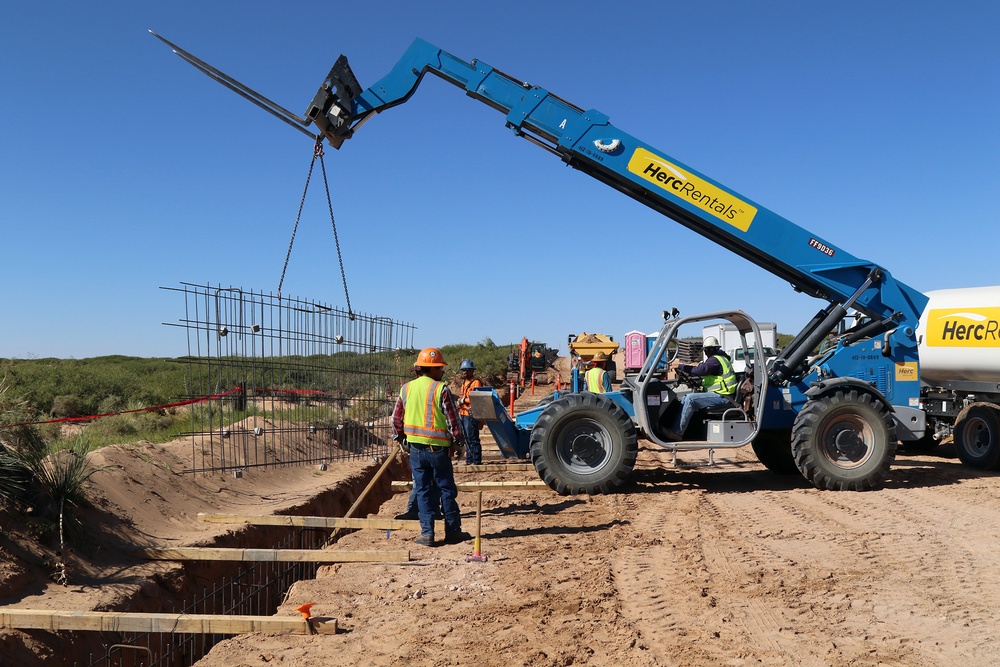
(276,380)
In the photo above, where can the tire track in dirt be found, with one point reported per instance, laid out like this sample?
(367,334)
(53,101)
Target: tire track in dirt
(741,559)
(697,614)
(654,582)
(933,558)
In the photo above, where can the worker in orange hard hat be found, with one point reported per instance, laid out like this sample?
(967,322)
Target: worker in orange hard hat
(597,379)
(426,424)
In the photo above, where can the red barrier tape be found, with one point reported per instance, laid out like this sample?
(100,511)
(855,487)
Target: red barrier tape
(125,412)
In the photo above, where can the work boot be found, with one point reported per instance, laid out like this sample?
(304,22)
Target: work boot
(457,538)
(408,515)
(425,540)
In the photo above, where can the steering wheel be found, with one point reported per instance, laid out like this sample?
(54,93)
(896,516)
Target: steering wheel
(684,377)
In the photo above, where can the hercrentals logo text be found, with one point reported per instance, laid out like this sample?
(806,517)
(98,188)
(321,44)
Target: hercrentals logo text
(974,327)
(692,189)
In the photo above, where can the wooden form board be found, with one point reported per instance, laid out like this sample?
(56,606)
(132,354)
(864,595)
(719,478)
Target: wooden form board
(399,487)
(273,555)
(496,467)
(201,624)
(313,521)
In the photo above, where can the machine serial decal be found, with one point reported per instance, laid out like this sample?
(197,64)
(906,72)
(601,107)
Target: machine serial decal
(692,189)
(965,328)
(822,247)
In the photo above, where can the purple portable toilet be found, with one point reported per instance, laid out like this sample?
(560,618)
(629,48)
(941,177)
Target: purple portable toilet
(635,350)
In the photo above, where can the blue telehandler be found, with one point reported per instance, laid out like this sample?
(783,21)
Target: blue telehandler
(834,417)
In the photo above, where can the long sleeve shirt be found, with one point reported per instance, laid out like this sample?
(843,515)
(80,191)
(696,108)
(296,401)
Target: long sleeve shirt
(710,366)
(447,407)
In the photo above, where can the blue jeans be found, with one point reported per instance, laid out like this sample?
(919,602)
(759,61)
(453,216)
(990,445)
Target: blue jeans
(473,449)
(411,504)
(691,403)
(432,467)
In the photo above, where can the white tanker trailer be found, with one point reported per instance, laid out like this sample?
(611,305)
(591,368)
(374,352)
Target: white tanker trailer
(959,338)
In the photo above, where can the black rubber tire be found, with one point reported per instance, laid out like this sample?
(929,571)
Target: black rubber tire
(977,436)
(774,450)
(844,441)
(584,443)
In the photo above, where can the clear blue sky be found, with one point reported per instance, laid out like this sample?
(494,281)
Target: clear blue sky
(123,169)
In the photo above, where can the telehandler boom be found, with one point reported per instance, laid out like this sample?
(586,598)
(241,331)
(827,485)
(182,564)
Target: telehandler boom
(835,418)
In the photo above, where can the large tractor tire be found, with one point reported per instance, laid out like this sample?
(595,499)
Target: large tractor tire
(774,450)
(977,436)
(584,443)
(844,441)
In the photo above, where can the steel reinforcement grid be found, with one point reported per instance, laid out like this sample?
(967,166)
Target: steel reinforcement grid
(276,380)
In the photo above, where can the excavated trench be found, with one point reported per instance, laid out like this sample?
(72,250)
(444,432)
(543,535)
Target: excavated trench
(203,587)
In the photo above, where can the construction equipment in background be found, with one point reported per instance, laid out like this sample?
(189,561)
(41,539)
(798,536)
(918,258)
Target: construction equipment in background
(530,361)
(583,347)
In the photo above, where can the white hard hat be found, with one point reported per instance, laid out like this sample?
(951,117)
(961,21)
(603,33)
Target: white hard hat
(711,341)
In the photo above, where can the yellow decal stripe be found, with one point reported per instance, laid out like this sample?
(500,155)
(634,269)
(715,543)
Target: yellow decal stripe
(963,327)
(685,185)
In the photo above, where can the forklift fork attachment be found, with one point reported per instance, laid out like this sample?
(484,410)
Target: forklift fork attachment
(244,91)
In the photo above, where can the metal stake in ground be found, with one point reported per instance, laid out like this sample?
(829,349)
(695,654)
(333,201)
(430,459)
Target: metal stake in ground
(477,557)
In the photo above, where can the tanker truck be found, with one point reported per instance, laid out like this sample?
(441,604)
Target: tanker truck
(959,346)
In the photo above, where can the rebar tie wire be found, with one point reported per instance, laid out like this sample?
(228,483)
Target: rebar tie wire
(318,153)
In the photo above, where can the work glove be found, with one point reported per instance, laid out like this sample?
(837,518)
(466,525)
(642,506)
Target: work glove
(404,446)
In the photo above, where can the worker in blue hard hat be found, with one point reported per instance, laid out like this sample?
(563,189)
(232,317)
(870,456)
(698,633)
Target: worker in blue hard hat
(470,426)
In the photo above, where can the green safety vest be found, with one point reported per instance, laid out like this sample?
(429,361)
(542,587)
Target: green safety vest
(595,380)
(423,420)
(725,384)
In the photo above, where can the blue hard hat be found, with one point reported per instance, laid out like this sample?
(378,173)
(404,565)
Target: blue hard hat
(467,365)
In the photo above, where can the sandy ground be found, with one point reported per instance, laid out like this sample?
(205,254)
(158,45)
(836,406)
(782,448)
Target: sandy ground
(694,565)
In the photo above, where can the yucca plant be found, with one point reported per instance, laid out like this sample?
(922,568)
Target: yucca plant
(57,472)
(14,414)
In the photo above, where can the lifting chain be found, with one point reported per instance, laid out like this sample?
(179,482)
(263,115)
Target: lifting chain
(317,153)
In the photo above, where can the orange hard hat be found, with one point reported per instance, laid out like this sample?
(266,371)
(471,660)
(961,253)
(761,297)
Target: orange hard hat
(430,356)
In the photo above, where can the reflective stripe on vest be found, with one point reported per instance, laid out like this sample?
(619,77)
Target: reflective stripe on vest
(595,380)
(467,387)
(725,384)
(423,420)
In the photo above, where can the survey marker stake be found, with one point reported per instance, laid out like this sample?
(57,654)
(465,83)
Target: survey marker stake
(477,557)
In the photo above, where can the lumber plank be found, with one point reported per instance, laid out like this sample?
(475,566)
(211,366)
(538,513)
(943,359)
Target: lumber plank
(273,555)
(114,621)
(313,521)
(496,467)
(399,487)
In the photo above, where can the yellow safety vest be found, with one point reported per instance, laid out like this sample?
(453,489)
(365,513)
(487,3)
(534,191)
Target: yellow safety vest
(423,420)
(725,384)
(595,380)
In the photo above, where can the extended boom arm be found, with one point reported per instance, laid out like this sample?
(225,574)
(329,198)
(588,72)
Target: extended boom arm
(586,140)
